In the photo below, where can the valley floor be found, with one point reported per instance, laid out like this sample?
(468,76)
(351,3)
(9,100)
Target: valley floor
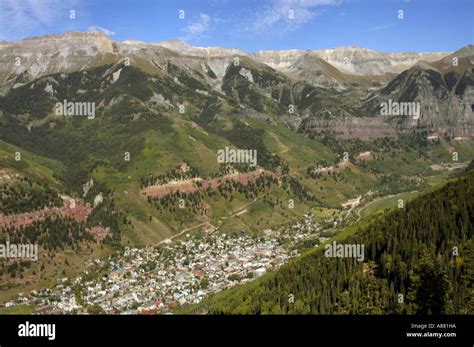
(190,266)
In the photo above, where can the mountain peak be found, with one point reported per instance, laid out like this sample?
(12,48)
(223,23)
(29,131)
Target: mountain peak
(185,48)
(69,35)
(465,51)
(423,65)
(175,45)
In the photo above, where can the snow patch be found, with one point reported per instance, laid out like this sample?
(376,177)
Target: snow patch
(18,85)
(177,81)
(203,92)
(49,89)
(247,74)
(86,186)
(219,67)
(160,100)
(98,199)
(116,75)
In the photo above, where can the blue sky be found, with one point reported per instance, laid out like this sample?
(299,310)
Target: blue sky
(251,25)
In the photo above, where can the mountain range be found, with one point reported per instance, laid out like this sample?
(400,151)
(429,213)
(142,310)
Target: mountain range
(358,79)
(334,135)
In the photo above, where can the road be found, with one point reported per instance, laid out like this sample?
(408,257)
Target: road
(378,199)
(180,233)
(233,214)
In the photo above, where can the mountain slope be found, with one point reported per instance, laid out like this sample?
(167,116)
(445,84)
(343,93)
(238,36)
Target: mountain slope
(325,89)
(350,60)
(405,250)
(165,108)
(363,61)
(443,90)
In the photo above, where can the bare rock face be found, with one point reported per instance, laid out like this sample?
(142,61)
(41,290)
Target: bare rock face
(32,58)
(316,71)
(363,61)
(24,61)
(351,60)
(443,91)
(351,127)
(184,48)
(339,90)
(39,56)
(344,67)
(279,60)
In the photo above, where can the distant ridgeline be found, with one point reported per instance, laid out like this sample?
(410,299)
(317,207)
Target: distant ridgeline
(419,260)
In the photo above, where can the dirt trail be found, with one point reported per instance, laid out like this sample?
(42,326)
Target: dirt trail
(379,199)
(233,213)
(180,233)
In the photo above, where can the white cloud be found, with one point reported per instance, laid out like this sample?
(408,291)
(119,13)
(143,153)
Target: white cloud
(99,29)
(290,13)
(198,28)
(22,18)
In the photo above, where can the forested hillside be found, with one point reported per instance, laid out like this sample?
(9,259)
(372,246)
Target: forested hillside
(418,260)
(26,196)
